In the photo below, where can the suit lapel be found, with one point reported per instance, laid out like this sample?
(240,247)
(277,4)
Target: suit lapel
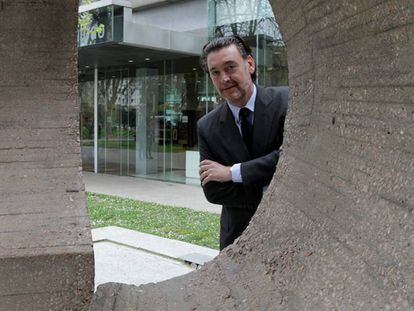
(232,137)
(262,121)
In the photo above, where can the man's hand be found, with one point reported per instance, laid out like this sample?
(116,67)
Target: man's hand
(213,171)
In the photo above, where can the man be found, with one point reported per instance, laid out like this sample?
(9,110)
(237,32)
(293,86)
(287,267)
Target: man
(240,140)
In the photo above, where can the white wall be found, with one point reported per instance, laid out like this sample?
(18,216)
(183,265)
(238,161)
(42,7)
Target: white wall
(182,16)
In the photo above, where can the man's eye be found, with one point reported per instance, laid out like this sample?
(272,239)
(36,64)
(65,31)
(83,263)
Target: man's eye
(231,68)
(214,73)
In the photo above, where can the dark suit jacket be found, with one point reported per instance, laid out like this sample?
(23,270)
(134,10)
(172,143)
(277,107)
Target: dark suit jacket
(220,141)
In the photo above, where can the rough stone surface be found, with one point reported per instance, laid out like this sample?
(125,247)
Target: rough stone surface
(46,257)
(335,230)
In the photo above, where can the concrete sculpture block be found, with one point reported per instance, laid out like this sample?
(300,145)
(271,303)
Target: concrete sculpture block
(46,256)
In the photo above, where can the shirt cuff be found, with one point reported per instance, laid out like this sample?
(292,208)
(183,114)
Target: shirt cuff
(236,173)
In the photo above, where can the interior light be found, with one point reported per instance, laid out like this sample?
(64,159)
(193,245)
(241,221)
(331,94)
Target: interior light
(147,58)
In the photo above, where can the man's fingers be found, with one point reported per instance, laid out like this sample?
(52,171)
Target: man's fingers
(206,180)
(203,178)
(205,167)
(207,173)
(207,176)
(206,162)
(203,175)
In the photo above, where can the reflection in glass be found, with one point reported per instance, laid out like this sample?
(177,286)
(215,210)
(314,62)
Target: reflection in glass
(255,23)
(86,118)
(147,118)
(101,25)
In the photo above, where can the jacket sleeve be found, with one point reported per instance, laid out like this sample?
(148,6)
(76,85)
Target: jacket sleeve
(260,171)
(224,193)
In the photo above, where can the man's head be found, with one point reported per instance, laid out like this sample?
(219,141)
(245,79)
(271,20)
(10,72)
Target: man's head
(231,67)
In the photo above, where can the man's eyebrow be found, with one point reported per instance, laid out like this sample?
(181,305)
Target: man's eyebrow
(226,63)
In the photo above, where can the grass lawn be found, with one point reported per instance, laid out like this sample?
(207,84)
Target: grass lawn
(201,228)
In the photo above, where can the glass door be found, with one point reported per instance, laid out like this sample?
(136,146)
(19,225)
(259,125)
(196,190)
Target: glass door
(113,122)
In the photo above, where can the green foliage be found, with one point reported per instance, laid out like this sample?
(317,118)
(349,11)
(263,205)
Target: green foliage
(201,228)
(85,132)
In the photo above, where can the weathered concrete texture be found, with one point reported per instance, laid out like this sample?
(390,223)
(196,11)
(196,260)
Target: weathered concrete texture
(336,228)
(46,258)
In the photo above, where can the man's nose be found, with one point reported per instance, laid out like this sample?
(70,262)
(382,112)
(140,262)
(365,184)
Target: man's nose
(225,77)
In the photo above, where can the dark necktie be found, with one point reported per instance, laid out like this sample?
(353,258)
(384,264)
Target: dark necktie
(246,128)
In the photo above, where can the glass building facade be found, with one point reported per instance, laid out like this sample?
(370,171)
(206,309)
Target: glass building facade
(140,101)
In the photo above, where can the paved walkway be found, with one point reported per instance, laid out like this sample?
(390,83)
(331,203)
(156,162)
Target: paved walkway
(168,193)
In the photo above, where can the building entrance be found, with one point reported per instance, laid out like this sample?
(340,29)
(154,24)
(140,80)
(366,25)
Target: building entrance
(146,117)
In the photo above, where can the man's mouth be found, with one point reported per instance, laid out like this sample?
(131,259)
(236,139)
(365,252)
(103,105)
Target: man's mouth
(227,88)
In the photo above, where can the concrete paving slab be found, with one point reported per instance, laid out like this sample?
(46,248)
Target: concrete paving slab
(131,257)
(122,264)
(195,259)
(168,193)
(151,243)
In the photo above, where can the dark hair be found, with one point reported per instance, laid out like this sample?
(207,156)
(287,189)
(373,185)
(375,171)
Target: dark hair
(222,42)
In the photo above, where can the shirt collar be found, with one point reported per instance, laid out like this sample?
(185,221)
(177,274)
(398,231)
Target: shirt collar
(249,105)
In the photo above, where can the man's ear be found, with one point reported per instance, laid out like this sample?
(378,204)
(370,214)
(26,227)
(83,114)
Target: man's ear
(251,63)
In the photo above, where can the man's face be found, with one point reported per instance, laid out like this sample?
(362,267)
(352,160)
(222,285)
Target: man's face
(230,74)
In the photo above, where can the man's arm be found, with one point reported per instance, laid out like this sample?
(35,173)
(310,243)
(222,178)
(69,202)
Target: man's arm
(260,171)
(217,184)
(218,192)
(216,178)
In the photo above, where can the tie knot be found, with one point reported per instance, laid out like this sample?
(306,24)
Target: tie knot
(244,113)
